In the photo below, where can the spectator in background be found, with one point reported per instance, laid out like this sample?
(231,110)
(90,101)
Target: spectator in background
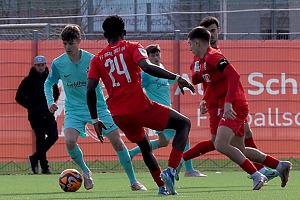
(30,95)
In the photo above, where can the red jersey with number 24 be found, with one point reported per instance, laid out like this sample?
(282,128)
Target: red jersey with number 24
(117,66)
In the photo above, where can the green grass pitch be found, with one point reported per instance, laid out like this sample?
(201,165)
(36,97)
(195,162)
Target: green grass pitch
(231,185)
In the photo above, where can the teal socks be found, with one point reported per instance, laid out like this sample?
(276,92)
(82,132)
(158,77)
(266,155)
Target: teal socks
(77,157)
(188,164)
(125,161)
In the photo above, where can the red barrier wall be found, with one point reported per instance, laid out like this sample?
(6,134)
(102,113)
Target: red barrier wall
(269,71)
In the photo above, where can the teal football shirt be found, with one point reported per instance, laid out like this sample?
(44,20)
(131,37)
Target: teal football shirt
(157,89)
(74,80)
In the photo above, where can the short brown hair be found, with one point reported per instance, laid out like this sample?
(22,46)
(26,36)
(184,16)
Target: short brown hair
(207,21)
(71,32)
(153,48)
(199,32)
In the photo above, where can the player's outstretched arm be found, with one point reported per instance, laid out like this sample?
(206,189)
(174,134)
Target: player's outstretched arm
(156,71)
(91,99)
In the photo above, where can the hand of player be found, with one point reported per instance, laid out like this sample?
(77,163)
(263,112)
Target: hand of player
(229,113)
(182,83)
(98,128)
(202,107)
(53,107)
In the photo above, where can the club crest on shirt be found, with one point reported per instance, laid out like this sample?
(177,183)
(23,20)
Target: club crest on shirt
(143,52)
(204,65)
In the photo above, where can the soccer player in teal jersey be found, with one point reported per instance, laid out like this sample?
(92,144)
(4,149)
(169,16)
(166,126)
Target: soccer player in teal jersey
(71,68)
(158,89)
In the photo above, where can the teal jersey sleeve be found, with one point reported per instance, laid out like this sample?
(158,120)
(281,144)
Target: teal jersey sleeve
(145,79)
(52,79)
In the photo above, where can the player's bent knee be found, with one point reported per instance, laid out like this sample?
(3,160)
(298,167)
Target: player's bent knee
(70,145)
(220,147)
(118,145)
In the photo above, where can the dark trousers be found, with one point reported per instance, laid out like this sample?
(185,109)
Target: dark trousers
(43,126)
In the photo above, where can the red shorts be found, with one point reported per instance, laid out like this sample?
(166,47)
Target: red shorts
(214,119)
(238,124)
(155,117)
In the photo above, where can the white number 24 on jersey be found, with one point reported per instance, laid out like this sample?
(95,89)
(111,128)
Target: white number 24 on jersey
(114,65)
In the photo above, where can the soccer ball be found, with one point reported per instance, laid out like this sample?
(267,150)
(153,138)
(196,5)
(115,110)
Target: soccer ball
(70,180)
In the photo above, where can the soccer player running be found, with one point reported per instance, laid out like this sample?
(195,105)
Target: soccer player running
(158,90)
(211,106)
(71,68)
(223,82)
(119,66)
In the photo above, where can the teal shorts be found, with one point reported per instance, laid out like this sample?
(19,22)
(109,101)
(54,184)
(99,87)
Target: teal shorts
(168,133)
(78,121)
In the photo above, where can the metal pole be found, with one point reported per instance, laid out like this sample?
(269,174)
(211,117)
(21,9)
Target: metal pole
(148,5)
(135,16)
(90,20)
(273,21)
(224,18)
(47,32)
(34,46)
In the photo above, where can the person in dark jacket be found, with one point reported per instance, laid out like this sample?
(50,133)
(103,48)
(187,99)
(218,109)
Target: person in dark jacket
(30,95)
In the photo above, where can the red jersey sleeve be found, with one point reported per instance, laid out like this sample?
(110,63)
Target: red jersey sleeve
(233,77)
(207,93)
(219,62)
(94,70)
(138,53)
(196,75)
(197,78)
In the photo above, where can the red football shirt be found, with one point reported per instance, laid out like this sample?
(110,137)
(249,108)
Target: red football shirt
(221,77)
(197,78)
(117,66)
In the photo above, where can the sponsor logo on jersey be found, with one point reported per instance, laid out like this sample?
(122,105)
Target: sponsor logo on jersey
(143,52)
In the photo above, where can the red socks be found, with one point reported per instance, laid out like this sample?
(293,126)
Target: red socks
(271,162)
(248,166)
(175,158)
(156,177)
(199,149)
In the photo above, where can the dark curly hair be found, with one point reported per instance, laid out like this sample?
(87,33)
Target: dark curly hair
(113,26)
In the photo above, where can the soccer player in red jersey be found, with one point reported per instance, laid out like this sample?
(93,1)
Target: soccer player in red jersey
(211,106)
(119,66)
(223,82)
